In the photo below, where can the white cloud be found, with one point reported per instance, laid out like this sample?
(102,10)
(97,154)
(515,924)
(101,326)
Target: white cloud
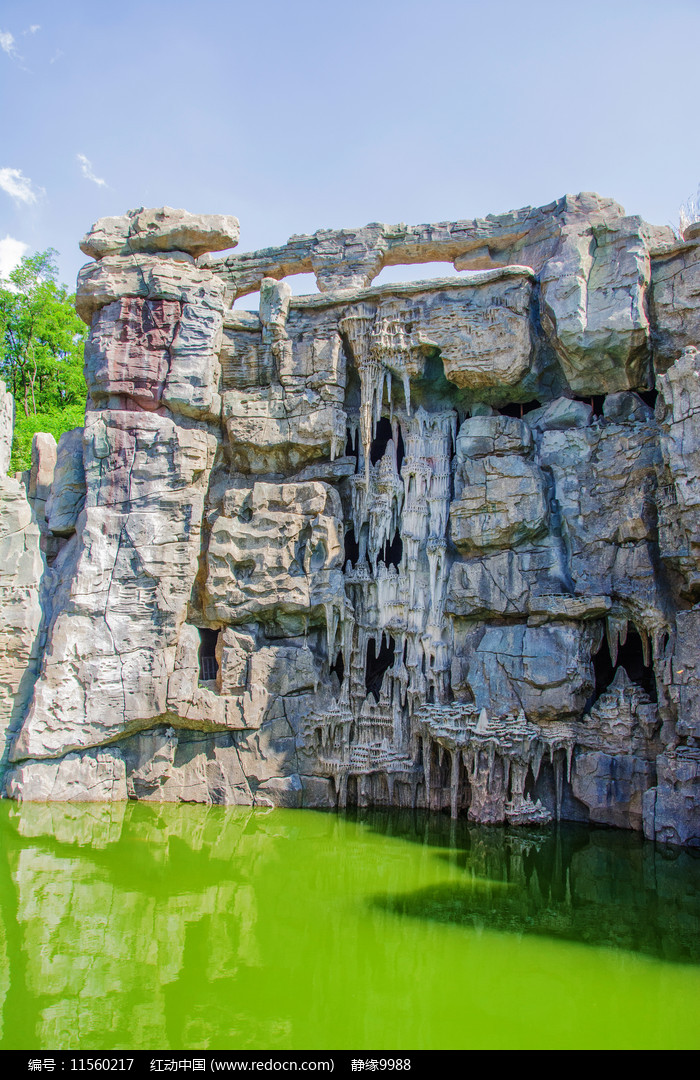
(33,29)
(7,44)
(19,187)
(86,170)
(11,251)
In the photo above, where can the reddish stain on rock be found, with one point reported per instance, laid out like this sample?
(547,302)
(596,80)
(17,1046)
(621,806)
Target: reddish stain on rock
(129,352)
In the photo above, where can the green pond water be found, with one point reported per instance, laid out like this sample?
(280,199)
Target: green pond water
(182,927)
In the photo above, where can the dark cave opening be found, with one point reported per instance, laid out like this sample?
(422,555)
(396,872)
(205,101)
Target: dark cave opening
(603,670)
(649,397)
(350,450)
(392,552)
(208,664)
(630,656)
(528,786)
(353,387)
(339,666)
(400,450)
(520,408)
(352,548)
(596,403)
(382,435)
(378,663)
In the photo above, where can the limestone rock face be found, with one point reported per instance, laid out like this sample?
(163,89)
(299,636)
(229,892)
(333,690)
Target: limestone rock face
(482,334)
(171,275)
(560,414)
(112,648)
(274,548)
(93,776)
(500,497)
(155,353)
(21,568)
(426,544)
(671,807)
(67,491)
(544,670)
(593,292)
(675,300)
(679,516)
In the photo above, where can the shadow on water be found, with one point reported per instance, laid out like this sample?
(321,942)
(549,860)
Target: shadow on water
(593,886)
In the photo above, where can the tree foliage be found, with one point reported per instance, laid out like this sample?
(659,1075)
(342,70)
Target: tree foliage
(42,342)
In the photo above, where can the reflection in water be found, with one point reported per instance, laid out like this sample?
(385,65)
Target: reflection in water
(602,888)
(157,926)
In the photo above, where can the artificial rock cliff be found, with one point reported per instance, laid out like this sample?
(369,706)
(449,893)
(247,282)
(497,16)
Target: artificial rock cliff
(427,544)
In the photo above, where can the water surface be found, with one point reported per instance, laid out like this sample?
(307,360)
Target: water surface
(183,927)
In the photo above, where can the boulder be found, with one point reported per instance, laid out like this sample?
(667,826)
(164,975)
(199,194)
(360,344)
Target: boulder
(162,229)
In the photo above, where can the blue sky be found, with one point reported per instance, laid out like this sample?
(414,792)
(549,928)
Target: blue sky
(297,116)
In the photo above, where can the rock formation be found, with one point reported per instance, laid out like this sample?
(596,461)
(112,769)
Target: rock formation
(428,544)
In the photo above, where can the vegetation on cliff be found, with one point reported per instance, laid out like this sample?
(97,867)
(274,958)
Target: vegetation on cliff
(42,341)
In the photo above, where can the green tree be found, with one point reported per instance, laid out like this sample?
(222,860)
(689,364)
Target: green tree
(42,342)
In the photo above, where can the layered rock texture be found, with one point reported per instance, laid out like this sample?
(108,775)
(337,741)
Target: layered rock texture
(428,544)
